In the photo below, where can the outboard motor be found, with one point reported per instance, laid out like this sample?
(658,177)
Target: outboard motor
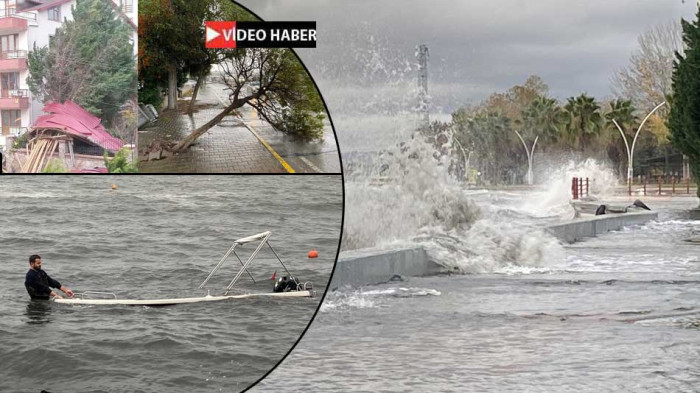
(600,210)
(286,284)
(640,204)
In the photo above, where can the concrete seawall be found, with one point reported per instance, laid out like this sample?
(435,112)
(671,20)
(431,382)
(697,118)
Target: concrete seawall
(374,266)
(572,231)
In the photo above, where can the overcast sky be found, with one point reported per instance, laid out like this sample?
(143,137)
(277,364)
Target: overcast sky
(479,46)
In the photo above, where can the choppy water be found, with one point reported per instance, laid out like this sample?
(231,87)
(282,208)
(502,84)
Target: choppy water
(156,236)
(620,312)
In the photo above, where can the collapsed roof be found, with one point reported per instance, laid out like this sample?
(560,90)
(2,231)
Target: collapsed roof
(75,121)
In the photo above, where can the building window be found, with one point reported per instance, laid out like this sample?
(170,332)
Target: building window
(8,44)
(9,81)
(11,121)
(55,14)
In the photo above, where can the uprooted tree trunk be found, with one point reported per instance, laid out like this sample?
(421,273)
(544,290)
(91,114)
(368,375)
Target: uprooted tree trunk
(200,79)
(189,140)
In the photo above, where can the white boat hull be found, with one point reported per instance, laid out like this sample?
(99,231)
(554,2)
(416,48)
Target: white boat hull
(168,302)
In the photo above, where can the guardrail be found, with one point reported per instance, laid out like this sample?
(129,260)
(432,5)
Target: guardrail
(14,131)
(13,54)
(663,182)
(15,93)
(11,12)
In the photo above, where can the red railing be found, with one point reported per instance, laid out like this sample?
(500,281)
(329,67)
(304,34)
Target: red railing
(661,180)
(579,187)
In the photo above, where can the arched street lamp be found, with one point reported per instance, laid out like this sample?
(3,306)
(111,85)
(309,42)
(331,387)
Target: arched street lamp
(630,151)
(530,155)
(466,158)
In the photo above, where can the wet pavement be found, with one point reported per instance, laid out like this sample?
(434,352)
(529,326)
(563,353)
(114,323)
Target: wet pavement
(233,146)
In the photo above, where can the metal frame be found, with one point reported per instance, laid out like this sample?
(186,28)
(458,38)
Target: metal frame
(264,239)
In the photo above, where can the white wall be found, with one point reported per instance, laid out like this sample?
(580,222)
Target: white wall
(44,27)
(38,33)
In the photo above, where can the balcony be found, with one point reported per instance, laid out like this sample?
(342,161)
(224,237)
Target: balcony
(13,61)
(10,23)
(13,131)
(125,6)
(14,99)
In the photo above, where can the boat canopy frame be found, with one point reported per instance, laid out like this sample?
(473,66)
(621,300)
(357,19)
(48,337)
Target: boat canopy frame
(264,238)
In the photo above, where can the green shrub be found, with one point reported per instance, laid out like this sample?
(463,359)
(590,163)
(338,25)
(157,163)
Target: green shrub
(120,163)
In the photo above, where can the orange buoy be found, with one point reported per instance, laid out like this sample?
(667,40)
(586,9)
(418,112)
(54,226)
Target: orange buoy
(313,254)
(114,186)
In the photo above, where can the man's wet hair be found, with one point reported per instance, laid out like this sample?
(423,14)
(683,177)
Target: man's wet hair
(33,258)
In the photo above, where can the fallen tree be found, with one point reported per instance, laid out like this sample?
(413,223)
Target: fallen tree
(286,97)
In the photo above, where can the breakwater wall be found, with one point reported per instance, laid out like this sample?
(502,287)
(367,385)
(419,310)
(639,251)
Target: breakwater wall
(374,266)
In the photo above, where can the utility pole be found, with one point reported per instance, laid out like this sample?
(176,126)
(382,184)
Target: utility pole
(630,150)
(423,104)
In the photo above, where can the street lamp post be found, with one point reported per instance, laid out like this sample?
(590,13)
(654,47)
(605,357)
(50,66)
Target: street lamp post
(530,155)
(630,150)
(466,158)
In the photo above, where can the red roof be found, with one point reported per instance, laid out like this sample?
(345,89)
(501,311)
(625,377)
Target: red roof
(72,119)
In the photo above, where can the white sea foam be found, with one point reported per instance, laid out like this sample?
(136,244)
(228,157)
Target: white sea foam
(370,298)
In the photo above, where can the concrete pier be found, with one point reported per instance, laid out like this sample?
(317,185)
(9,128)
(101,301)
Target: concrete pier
(374,266)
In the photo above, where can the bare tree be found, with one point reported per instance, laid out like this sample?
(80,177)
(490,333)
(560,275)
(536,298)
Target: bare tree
(647,79)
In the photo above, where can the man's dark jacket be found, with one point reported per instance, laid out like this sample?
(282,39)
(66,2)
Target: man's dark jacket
(38,283)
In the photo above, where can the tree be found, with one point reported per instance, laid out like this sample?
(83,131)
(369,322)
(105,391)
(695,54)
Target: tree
(647,80)
(584,121)
(89,61)
(201,60)
(285,97)
(497,151)
(515,100)
(544,118)
(684,116)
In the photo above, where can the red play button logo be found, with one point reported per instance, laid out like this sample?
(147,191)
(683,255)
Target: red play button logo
(220,35)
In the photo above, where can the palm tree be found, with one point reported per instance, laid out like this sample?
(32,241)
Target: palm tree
(584,120)
(545,118)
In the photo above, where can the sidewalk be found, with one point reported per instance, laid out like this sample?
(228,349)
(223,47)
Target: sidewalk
(228,147)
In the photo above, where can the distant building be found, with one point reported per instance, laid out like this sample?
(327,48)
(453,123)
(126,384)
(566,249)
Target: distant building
(24,24)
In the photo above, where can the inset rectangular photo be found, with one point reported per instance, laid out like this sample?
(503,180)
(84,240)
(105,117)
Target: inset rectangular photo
(160,283)
(68,86)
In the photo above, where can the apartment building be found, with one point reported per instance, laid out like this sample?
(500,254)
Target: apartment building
(23,24)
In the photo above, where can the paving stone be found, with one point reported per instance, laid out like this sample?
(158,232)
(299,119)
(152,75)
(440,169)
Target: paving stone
(226,148)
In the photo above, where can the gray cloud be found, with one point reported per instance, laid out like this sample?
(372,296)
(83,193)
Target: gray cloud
(476,46)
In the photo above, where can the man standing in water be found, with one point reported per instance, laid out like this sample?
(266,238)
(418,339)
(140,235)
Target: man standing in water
(39,284)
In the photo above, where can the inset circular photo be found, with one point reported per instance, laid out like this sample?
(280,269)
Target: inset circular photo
(217,97)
